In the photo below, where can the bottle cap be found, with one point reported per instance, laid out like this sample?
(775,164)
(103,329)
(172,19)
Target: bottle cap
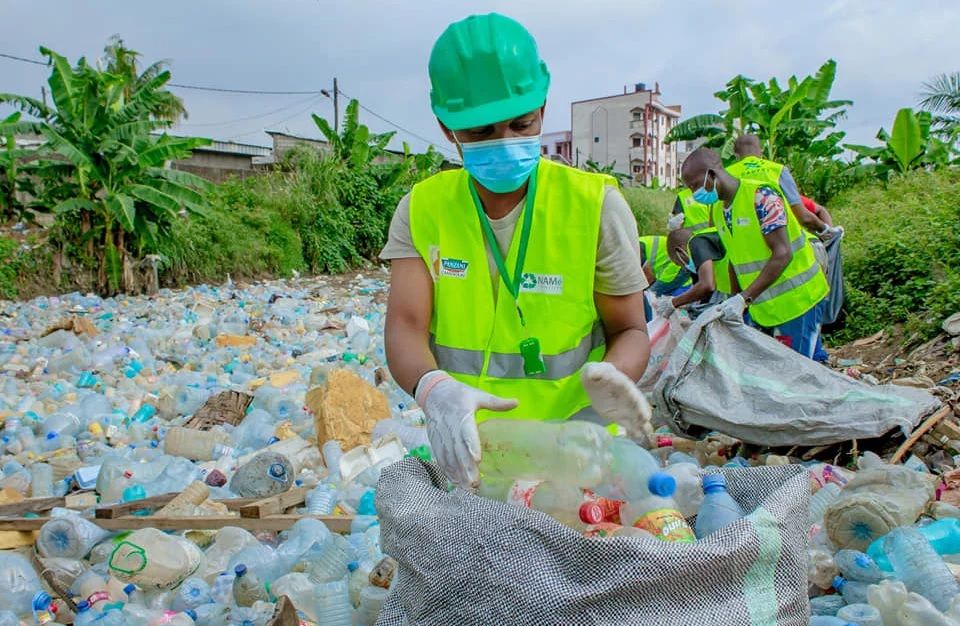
(353,566)
(192,614)
(240,570)
(714,480)
(591,513)
(51,435)
(662,484)
(862,560)
(83,605)
(839,582)
(128,589)
(664,442)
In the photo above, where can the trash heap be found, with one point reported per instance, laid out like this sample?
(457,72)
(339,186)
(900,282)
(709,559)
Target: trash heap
(212,394)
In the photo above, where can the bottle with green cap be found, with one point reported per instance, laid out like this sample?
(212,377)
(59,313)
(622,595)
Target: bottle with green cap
(486,69)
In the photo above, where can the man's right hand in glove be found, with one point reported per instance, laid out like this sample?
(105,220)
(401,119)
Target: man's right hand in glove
(450,408)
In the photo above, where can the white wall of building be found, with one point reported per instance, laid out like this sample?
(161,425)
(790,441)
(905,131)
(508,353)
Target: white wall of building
(628,129)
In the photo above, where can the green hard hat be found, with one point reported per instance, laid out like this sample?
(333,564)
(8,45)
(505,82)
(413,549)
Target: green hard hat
(486,69)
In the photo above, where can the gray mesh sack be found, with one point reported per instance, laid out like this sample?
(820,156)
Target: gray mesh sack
(468,560)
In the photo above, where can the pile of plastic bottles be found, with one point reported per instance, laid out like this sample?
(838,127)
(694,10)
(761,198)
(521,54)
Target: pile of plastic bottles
(106,412)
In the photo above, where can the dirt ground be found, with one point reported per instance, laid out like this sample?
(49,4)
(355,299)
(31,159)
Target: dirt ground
(891,356)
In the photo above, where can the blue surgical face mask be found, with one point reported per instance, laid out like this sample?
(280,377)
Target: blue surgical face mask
(691,267)
(706,197)
(501,165)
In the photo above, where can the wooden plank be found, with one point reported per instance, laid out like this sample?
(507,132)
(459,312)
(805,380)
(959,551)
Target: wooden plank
(336,523)
(30,505)
(274,505)
(122,509)
(17,539)
(921,430)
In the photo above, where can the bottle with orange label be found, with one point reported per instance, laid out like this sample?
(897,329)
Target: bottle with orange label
(657,513)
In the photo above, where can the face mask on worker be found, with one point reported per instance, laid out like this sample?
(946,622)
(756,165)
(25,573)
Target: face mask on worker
(501,165)
(706,197)
(688,264)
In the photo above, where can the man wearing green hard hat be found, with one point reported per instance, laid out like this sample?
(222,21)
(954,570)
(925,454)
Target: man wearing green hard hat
(516,289)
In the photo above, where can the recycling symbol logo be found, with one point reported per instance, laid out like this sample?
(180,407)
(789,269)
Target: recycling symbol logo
(528,281)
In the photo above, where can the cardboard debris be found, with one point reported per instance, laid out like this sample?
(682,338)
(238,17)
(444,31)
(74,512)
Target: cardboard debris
(280,379)
(76,324)
(10,539)
(866,341)
(285,614)
(346,409)
(235,341)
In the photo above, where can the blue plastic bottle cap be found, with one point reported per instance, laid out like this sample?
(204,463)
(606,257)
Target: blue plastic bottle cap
(52,434)
(863,560)
(839,582)
(129,589)
(240,570)
(353,565)
(83,605)
(192,614)
(662,484)
(714,480)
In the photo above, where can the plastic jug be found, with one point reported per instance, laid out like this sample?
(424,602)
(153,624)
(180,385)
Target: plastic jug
(943,535)
(69,536)
(247,587)
(820,501)
(332,601)
(154,560)
(18,583)
(719,509)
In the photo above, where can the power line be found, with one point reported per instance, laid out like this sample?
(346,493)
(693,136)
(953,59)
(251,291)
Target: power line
(399,127)
(258,92)
(309,100)
(16,58)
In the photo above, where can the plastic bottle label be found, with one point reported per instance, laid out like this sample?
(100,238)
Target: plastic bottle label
(521,493)
(667,525)
(601,530)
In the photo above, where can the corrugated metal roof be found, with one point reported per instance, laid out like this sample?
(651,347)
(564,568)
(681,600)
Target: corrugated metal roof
(230,147)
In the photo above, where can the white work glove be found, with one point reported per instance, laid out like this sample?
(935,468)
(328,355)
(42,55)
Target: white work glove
(450,408)
(733,307)
(675,222)
(830,232)
(664,307)
(617,399)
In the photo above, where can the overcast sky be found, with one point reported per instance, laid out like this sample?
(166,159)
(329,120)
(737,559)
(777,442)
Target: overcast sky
(379,50)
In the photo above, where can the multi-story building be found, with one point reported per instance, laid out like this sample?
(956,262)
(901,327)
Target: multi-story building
(684,148)
(628,130)
(557,146)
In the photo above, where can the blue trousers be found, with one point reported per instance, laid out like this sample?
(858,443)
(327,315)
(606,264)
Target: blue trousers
(801,334)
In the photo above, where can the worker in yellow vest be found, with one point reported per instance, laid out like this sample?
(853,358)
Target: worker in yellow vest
(771,263)
(751,164)
(696,216)
(704,257)
(516,289)
(664,277)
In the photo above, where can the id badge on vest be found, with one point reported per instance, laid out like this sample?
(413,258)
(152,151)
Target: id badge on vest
(533,364)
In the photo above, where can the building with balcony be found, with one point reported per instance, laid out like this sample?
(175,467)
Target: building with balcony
(628,130)
(557,146)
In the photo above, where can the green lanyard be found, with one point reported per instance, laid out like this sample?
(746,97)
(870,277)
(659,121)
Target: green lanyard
(533,363)
(513,286)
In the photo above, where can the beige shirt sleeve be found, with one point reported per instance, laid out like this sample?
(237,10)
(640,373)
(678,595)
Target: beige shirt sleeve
(618,271)
(399,239)
(618,250)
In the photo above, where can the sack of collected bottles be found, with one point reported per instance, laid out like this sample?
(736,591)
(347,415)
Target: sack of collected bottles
(604,534)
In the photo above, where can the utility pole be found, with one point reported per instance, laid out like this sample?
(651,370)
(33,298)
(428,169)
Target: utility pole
(336,106)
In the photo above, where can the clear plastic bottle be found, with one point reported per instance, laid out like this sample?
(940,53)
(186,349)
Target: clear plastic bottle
(861,614)
(41,482)
(719,509)
(371,603)
(573,452)
(853,592)
(943,535)
(298,587)
(854,565)
(828,620)
(321,500)
(248,587)
(919,566)
(221,590)
(689,493)
(192,593)
(888,598)
(630,468)
(826,605)
(18,583)
(657,512)
(333,604)
(197,445)
(558,500)
(821,568)
(357,581)
(69,536)
(821,500)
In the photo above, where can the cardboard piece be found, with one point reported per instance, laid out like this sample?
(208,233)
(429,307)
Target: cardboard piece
(279,379)
(346,409)
(76,324)
(235,341)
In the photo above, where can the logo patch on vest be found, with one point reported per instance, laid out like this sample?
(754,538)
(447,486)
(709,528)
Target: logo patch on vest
(454,268)
(743,221)
(550,284)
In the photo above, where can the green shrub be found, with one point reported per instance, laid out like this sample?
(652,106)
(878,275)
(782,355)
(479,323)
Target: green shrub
(8,268)
(901,253)
(651,207)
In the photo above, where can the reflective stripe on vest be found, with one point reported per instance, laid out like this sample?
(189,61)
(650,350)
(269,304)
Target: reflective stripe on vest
(510,365)
(755,266)
(800,286)
(476,335)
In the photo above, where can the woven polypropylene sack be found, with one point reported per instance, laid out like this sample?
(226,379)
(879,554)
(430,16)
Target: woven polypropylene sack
(727,377)
(468,560)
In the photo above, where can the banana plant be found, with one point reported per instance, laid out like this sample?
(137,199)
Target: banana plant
(103,127)
(910,145)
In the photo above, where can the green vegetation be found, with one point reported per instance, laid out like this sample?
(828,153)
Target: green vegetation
(901,256)
(651,207)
